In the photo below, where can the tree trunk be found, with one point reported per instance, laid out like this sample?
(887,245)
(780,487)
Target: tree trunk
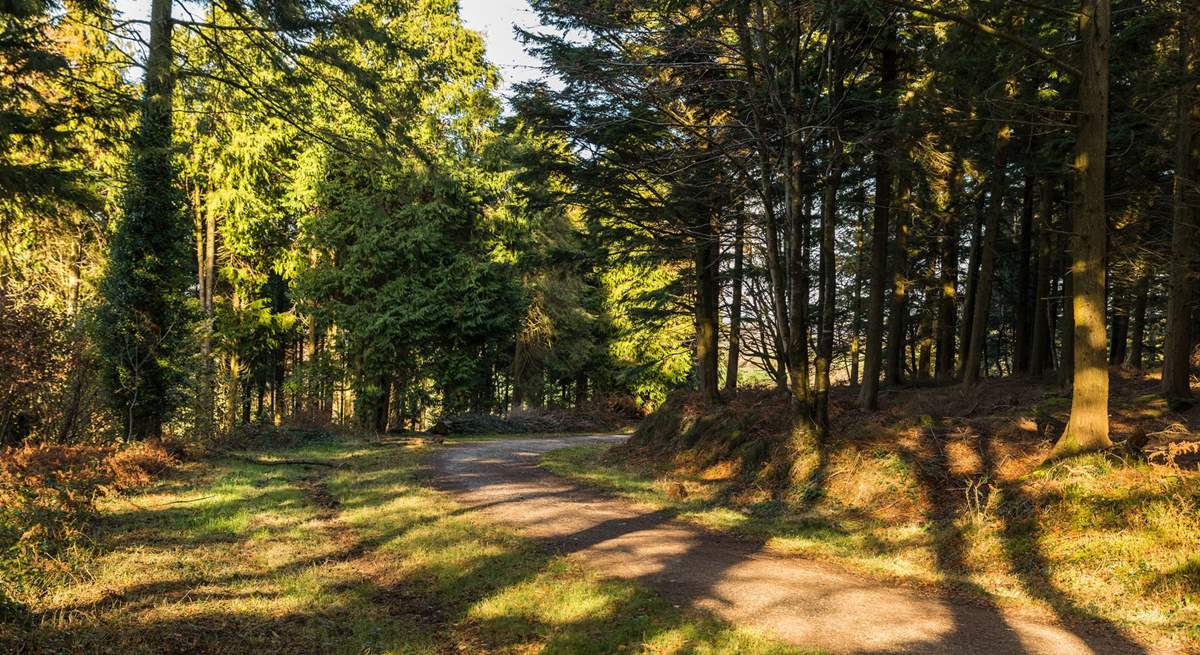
(206,278)
(735,306)
(1177,344)
(968,314)
(798,268)
(898,304)
(146,253)
(925,329)
(1087,428)
(828,290)
(860,254)
(1022,345)
(75,276)
(247,404)
(948,294)
(581,389)
(1066,366)
(1120,332)
(383,405)
(1137,334)
(827,294)
(707,299)
(234,382)
(762,135)
(1042,314)
(987,265)
(399,400)
(518,390)
(869,393)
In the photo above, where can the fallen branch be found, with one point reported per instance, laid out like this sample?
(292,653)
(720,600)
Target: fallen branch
(184,500)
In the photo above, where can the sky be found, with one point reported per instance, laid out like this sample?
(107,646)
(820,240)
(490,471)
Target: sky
(492,18)
(495,20)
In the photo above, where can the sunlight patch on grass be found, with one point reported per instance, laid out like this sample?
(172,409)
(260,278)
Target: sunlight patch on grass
(560,594)
(238,556)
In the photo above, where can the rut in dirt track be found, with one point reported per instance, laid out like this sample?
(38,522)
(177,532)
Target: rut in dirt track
(800,601)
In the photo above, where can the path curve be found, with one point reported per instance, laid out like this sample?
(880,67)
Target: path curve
(804,602)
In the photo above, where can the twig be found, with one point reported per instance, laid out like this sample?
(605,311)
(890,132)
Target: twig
(185,500)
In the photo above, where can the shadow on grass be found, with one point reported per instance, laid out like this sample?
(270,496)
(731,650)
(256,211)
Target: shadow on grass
(954,499)
(387,570)
(950,496)
(949,542)
(1020,535)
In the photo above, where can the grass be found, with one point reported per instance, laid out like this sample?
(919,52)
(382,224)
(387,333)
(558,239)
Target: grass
(231,556)
(1092,538)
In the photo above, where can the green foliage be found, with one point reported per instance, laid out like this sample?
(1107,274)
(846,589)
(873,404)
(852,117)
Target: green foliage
(61,152)
(398,249)
(650,345)
(65,110)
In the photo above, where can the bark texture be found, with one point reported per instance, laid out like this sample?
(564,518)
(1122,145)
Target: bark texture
(1087,429)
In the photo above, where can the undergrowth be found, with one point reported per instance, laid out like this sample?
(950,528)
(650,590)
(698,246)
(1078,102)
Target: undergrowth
(48,494)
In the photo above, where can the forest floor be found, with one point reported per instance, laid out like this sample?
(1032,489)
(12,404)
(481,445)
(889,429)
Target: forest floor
(351,553)
(944,491)
(362,545)
(739,577)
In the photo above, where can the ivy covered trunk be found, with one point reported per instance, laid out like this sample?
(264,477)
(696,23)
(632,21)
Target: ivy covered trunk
(143,322)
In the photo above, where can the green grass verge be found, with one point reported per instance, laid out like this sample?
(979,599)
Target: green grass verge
(237,557)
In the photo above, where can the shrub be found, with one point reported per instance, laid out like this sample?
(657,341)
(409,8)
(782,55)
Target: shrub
(48,386)
(47,496)
(31,366)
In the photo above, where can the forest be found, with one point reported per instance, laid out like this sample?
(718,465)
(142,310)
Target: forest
(905,288)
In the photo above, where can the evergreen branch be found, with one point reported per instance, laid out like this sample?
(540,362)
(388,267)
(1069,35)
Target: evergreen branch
(1031,48)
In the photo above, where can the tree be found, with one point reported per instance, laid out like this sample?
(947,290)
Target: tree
(883,155)
(1087,428)
(987,267)
(145,318)
(1177,358)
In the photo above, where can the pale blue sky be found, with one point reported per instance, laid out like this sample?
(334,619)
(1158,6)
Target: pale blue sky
(495,20)
(492,18)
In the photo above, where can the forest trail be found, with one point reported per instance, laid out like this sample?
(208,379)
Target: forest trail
(801,601)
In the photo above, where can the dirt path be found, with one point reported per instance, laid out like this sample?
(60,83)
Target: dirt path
(804,602)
